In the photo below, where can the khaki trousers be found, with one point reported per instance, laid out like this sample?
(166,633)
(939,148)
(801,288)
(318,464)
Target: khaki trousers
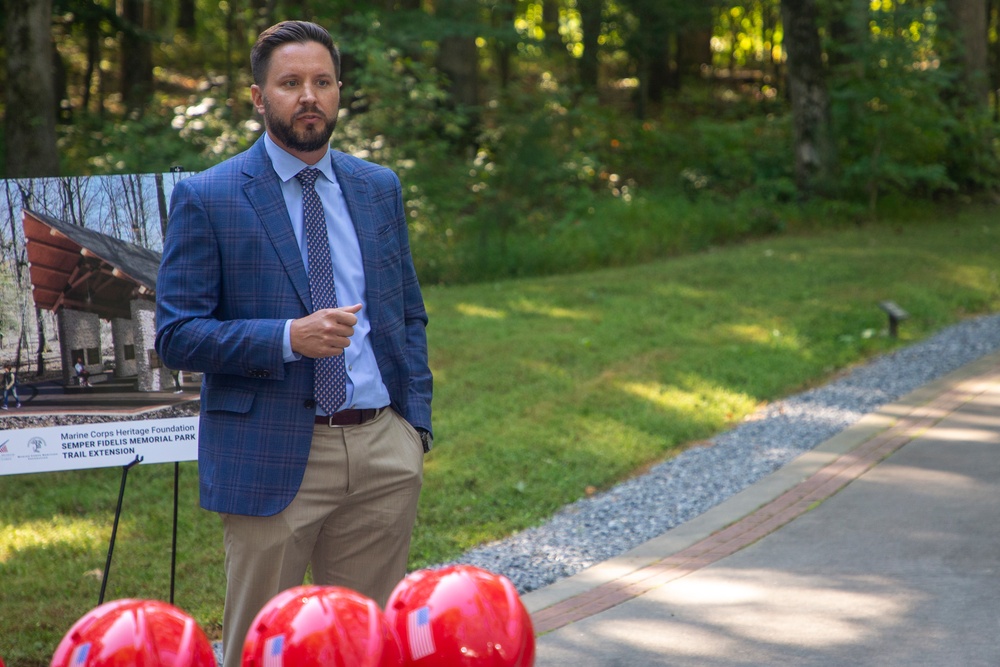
(351,520)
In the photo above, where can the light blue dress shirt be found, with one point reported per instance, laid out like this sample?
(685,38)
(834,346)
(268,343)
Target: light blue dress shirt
(365,388)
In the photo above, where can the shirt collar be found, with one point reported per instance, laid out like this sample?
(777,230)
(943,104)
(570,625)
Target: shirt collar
(286,165)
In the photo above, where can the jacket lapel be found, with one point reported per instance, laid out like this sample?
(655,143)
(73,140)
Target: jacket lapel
(359,206)
(263,191)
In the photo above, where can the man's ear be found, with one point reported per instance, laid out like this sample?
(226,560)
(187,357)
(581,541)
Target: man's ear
(257,95)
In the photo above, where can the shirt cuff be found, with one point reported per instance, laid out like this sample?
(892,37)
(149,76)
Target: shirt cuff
(286,344)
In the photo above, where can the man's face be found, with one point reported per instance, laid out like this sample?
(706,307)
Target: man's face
(299,99)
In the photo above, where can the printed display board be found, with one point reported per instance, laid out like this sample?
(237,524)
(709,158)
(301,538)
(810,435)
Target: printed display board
(99,445)
(82,384)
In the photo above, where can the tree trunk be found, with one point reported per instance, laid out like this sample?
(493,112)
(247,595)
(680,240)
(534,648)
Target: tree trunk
(92,30)
(186,15)
(135,206)
(458,60)
(30,118)
(590,23)
(640,98)
(968,22)
(137,55)
(458,57)
(808,93)
(503,21)
(694,48)
(663,71)
(40,358)
(161,205)
(27,201)
(550,24)
(12,248)
(60,88)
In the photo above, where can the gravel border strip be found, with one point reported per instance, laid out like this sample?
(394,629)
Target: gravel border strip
(595,529)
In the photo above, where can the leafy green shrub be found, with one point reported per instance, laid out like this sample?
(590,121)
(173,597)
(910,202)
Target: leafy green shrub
(973,160)
(709,157)
(195,136)
(749,154)
(893,118)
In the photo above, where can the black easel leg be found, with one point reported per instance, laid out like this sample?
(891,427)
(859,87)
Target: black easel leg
(114,529)
(173,548)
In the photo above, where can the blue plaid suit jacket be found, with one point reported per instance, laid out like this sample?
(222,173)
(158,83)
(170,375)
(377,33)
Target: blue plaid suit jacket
(231,275)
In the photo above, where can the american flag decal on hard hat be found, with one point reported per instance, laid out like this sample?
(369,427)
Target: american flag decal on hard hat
(79,656)
(272,651)
(418,633)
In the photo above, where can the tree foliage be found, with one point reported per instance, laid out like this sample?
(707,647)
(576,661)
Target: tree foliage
(509,119)
(899,126)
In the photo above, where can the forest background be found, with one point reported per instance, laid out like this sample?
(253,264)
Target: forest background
(543,136)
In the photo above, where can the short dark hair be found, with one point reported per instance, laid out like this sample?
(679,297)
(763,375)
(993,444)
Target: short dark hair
(287,32)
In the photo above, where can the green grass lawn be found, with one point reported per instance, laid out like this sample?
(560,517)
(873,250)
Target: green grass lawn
(545,389)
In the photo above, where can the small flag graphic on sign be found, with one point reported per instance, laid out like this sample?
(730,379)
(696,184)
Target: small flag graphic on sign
(418,633)
(272,651)
(3,447)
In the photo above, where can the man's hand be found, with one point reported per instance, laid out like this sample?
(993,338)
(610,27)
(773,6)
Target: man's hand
(325,333)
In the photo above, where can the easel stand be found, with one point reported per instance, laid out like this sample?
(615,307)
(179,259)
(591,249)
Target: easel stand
(114,529)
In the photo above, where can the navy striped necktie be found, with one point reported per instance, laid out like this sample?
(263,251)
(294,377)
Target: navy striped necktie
(331,375)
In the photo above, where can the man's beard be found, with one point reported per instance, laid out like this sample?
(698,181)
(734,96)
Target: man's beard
(304,141)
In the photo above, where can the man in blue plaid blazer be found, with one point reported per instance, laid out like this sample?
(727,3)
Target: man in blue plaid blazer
(295,485)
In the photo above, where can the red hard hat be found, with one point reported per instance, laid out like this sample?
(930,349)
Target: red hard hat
(461,616)
(135,632)
(314,626)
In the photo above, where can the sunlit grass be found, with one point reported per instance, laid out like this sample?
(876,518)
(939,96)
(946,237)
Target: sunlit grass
(472,310)
(534,308)
(59,531)
(715,399)
(545,390)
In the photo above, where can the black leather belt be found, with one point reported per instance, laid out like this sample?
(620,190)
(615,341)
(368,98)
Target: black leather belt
(349,417)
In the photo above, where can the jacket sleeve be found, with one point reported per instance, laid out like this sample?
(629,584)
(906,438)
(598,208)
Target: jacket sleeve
(420,382)
(196,328)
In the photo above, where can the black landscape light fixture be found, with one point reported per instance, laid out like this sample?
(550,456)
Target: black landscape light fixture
(896,315)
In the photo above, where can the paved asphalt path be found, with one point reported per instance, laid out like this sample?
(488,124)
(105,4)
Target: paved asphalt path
(880,547)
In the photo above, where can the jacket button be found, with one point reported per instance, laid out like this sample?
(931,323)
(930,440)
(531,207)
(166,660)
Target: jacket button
(310,403)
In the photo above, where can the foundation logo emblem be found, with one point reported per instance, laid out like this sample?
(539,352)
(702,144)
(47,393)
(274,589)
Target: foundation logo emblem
(36,444)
